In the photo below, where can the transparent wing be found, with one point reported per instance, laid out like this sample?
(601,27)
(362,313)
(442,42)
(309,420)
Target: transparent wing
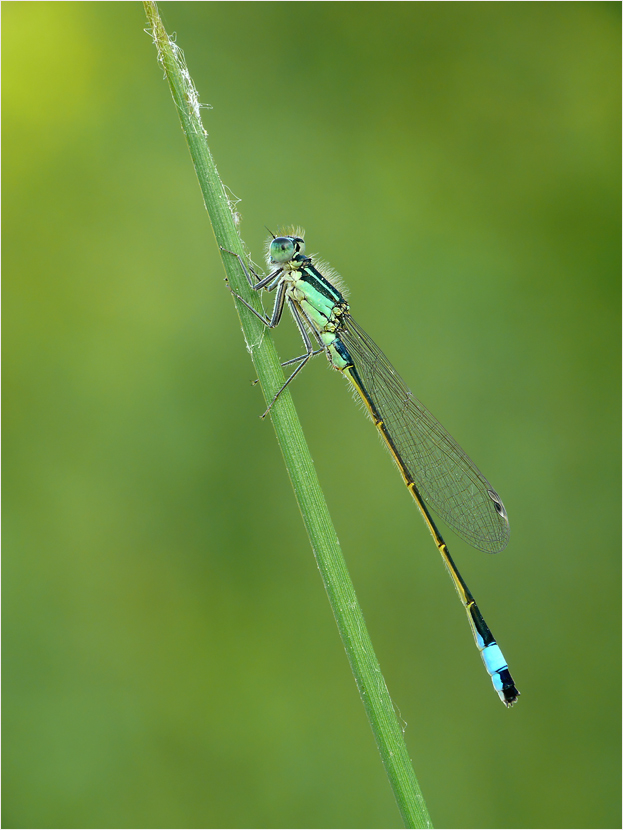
(448,480)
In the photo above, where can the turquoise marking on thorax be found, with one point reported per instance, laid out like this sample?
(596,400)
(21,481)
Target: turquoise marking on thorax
(322,304)
(316,297)
(316,307)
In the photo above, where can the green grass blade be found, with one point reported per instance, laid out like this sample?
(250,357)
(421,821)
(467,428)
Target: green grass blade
(374,694)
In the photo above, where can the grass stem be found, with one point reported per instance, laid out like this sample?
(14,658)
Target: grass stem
(326,547)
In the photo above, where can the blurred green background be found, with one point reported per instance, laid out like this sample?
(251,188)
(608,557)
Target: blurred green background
(170,659)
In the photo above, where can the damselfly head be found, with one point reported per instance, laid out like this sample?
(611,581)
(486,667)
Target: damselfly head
(284,248)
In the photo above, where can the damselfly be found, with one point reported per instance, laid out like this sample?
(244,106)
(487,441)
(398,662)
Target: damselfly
(439,474)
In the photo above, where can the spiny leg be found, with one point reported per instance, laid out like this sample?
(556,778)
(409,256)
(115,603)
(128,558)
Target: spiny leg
(303,359)
(294,360)
(275,317)
(261,282)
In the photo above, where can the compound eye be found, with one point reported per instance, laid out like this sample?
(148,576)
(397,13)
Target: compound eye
(282,249)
